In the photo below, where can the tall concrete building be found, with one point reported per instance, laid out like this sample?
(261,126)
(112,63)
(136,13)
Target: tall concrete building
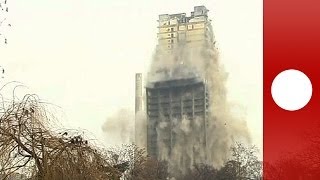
(171,101)
(176,30)
(182,95)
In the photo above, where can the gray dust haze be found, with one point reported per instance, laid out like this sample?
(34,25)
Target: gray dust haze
(119,127)
(224,128)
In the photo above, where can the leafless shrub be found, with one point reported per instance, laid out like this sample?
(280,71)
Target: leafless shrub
(136,165)
(243,165)
(29,146)
(200,172)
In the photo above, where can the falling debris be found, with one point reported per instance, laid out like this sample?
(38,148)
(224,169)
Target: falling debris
(185,117)
(187,108)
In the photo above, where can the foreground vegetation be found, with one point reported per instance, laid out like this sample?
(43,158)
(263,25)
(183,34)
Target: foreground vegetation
(30,147)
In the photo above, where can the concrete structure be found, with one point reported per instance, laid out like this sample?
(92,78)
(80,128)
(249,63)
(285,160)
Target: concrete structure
(139,133)
(173,100)
(138,93)
(181,94)
(176,30)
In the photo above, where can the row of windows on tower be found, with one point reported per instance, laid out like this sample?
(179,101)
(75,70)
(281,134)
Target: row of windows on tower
(170,29)
(182,28)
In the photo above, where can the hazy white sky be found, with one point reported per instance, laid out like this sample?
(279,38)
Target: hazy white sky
(82,55)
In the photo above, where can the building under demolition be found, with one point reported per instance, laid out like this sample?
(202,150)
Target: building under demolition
(185,117)
(180,94)
(174,100)
(176,30)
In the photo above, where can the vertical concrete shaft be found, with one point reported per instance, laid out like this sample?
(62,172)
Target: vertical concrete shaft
(139,132)
(138,100)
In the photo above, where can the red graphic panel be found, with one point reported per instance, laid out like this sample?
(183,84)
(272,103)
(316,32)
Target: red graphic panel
(291,41)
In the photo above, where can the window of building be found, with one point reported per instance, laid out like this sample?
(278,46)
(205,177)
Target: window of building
(172,29)
(182,28)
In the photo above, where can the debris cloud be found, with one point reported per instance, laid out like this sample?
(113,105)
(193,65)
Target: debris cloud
(224,128)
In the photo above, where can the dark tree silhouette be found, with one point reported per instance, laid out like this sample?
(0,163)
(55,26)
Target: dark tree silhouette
(201,172)
(29,145)
(243,165)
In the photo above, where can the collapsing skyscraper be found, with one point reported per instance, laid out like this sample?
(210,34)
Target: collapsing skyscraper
(176,93)
(171,101)
(188,119)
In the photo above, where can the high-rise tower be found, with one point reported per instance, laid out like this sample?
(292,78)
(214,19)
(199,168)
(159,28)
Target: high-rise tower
(177,99)
(176,30)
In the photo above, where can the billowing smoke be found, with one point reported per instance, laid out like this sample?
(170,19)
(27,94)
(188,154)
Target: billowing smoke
(119,127)
(188,144)
(224,127)
(140,129)
(125,127)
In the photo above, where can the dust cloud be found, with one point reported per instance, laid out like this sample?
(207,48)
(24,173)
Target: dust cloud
(118,128)
(224,127)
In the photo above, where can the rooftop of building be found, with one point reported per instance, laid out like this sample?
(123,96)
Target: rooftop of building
(179,82)
(198,11)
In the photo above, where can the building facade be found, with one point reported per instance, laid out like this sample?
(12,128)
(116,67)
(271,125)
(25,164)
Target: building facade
(170,102)
(180,95)
(176,30)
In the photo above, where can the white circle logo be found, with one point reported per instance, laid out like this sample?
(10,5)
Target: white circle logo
(291,90)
